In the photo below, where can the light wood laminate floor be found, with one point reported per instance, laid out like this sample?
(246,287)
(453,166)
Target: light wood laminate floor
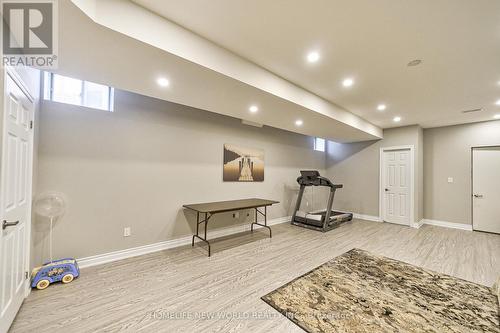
(222,293)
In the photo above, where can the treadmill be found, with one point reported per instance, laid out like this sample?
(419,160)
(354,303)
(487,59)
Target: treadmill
(323,220)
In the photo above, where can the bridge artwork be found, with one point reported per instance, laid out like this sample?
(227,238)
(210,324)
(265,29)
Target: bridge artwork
(243,164)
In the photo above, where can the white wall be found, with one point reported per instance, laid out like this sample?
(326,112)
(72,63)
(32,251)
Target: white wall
(138,165)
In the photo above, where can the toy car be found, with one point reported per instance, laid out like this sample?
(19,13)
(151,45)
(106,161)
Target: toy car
(64,270)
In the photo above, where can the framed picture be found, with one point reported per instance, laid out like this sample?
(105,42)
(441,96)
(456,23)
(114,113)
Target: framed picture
(243,164)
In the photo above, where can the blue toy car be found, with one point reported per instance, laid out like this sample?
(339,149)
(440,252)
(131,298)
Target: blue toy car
(64,270)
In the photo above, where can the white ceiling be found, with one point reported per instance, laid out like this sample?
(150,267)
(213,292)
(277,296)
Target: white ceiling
(370,41)
(201,74)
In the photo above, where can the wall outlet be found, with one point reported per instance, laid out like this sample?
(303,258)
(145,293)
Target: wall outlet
(127,232)
(450,179)
(236,215)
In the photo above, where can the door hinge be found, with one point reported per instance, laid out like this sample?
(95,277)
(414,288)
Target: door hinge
(26,276)
(31,124)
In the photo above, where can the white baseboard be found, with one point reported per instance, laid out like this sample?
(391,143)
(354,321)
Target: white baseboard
(169,244)
(367,217)
(418,224)
(446,224)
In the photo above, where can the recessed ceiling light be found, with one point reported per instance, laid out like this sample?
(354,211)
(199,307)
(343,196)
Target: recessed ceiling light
(253,108)
(348,82)
(381,107)
(396,119)
(415,62)
(163,82)
(497,102)
(299,122)
(497,116)
(313,56)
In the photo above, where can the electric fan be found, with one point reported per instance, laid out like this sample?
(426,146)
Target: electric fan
(52,206)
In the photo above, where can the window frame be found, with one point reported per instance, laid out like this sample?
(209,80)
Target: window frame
(316,144)
(49,93)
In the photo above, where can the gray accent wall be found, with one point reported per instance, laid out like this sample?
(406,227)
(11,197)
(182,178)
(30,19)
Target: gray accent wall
(447,153)
(357,166)
(135,167)
(441,153)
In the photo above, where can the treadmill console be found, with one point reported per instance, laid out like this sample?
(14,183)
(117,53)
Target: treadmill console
(310,174)
(313,178)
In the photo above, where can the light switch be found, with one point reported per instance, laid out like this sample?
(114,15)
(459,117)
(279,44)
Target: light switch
(450,179)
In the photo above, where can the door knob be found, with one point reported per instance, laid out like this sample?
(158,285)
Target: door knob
(478,195)
(6,224)
(387,190)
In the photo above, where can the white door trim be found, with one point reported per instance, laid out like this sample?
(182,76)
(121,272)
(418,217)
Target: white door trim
(472,179)
(17,79)
(10,72)
(411,148)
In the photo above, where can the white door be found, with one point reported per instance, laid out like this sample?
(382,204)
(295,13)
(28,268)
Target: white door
(486,189)
(15,199)
(396,186)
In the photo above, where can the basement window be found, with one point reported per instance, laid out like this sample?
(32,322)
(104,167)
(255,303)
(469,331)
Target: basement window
(63,89)
(319,144)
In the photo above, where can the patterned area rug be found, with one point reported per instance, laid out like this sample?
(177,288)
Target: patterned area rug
(362,292)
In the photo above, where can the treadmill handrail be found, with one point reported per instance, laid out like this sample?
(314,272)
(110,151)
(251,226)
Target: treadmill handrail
(318,181)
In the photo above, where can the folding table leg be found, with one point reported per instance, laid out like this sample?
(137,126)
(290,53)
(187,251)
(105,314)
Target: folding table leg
(257,211)
(197,235)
